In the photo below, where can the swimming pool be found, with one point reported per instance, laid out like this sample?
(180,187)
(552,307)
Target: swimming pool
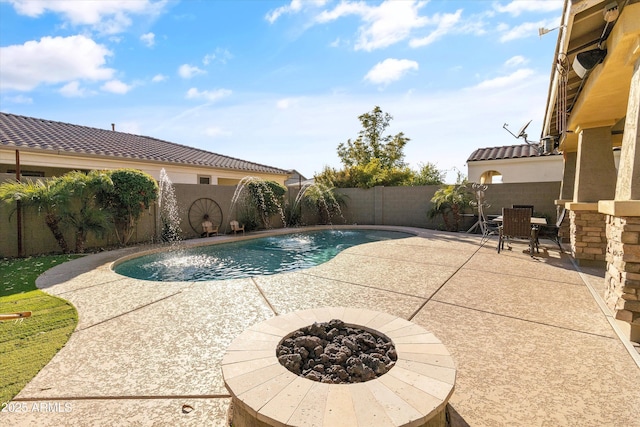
(249,258)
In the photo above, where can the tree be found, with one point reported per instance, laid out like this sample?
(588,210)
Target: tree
(373,144)
(428,174)
(132,192)
(373,158)
(44,195)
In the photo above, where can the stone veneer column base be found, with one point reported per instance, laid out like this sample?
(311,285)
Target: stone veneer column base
(588,237)
(622,278)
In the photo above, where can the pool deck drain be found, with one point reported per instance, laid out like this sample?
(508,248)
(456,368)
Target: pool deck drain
(413,393)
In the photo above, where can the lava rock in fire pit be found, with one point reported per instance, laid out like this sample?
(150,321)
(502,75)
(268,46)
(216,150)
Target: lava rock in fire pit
(332,352)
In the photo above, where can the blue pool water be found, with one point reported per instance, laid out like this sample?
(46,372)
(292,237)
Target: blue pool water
(248,258)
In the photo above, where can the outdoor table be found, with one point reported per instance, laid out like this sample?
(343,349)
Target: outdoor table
(535,224)
(534,220)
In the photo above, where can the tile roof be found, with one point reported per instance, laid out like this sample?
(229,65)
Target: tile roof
(28,132)
(508,152)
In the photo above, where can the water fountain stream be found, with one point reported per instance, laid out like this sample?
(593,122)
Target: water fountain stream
(168,207)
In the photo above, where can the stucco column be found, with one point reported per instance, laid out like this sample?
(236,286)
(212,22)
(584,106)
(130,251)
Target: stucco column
(595,180)
(568,175)
(628,187)
(595,168)
(622,278)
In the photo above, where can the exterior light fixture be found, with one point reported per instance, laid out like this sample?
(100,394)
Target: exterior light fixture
(585,61)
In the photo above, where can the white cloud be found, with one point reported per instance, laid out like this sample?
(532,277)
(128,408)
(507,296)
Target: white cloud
(53,60)
(148,39)
(390,70)
(384,25)
(220,55)
(209,95)
(72,90)
(286,103)
(116,86)
(109,17)
(292,8)
(187,71)
(516,7)
(446,23)
(159,78)
(215,132)
(345,8)
(390,23)
(506,81)
(515,61)
(19,99)
(394,21)
(336,43)
(527,29)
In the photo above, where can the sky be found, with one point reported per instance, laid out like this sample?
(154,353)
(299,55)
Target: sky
(282,83)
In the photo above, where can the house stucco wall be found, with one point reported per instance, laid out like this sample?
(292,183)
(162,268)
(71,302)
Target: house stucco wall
(58,164)
(527,169)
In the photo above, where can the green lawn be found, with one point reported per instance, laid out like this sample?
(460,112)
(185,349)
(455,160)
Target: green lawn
(27,345)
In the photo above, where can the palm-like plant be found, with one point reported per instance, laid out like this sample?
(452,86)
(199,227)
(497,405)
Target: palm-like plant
(450,201)
(46,196)
(84,214)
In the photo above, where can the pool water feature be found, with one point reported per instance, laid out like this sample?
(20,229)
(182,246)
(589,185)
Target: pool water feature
(249,258)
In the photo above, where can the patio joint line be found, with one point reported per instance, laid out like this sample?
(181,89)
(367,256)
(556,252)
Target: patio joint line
(143,397)
(525,320)
(363,286)
(130,311)
(608,315)
(415,313)
(264,296)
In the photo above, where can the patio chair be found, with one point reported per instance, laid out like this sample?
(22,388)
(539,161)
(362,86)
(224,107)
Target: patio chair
(534,227)
(552,232)
(516,224)
(208,229)
(530,207)
(235,227)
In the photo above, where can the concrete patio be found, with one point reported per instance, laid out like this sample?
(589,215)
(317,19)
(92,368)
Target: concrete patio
(532,342)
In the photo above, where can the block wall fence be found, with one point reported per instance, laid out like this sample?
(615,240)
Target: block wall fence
(404,206)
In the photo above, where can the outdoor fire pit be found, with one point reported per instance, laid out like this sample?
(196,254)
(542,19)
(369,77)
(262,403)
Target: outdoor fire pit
(344,366)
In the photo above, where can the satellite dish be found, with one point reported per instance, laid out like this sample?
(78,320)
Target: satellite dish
(521,134)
